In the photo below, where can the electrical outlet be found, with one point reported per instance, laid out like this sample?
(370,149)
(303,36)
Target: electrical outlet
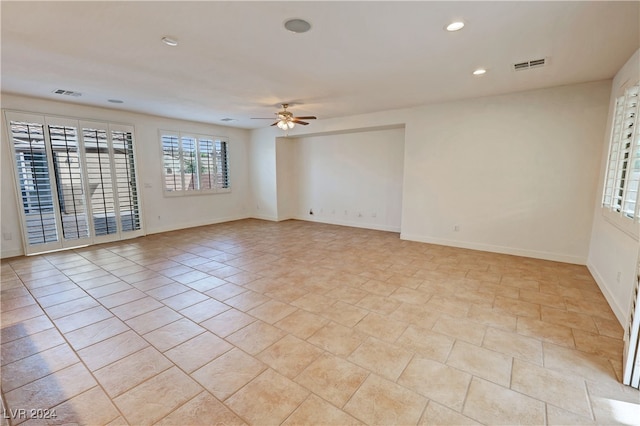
(618,276)
(311,211)
(456,228)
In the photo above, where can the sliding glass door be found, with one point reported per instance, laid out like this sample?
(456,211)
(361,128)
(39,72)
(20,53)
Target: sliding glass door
(76,181)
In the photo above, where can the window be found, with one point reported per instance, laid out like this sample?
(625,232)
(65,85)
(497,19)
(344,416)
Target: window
(194,164)
(75,180)
(620,198)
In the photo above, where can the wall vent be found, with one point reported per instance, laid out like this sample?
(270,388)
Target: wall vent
(534,63)
(67,92)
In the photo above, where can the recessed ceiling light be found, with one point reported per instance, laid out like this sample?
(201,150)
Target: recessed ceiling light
(455,26)
(479,71)
(115,101)
(170,41)
(297,25)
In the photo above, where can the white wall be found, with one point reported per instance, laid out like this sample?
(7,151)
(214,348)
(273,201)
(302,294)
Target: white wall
(352,179)
(612,251)
(160,213)
(516,173)
(286,177)
(273,162)
(262,175)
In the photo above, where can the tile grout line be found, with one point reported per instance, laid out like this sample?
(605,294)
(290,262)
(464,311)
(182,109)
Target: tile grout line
(80,361)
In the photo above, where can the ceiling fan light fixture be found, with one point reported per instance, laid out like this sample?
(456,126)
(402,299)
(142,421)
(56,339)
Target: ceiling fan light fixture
(286,124)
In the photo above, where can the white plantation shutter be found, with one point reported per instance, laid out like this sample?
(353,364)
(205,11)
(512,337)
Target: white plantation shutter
(207,164)
(614,152)
(96,146)
(111,175)
(194,163)
(69,180)
(189,163)
(125,174)
(75,180)
(631,146)
(222,165)
(172,159)
(622,180)
(34,182)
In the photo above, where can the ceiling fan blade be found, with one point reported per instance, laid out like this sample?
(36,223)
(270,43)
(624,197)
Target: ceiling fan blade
(262,118)
(275,123)
(310,117)
(299,122)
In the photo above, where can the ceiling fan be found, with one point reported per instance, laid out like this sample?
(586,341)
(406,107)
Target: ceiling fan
(285,119)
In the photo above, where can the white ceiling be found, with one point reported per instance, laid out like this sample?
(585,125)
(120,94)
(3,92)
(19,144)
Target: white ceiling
(235,59)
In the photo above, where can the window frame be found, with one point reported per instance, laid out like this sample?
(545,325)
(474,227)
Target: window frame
(616,178)
(188,188)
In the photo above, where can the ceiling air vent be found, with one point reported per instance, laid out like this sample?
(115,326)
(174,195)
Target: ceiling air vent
(67,92)
(534,63)
(227,119)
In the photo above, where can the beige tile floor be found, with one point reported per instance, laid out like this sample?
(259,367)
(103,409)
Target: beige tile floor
(299,323)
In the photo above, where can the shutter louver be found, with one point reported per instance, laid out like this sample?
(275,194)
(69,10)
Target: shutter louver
(171,158)
(100,181)
(126,186)
(207,164)
(189,164)
(34,182)
(222,165)
(623,168)
(68,172)
(631,138)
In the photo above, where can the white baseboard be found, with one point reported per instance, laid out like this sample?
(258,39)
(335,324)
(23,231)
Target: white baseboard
(5,254)
(620,313)
(169,228)
(263,217)
(374,226)
(556,257)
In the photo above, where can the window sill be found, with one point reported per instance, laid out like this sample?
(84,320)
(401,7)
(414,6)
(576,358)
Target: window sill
(172,194)
(624,224)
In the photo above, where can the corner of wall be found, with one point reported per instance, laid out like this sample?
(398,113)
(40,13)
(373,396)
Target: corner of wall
(612,252)
(265,217)
(618,310)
